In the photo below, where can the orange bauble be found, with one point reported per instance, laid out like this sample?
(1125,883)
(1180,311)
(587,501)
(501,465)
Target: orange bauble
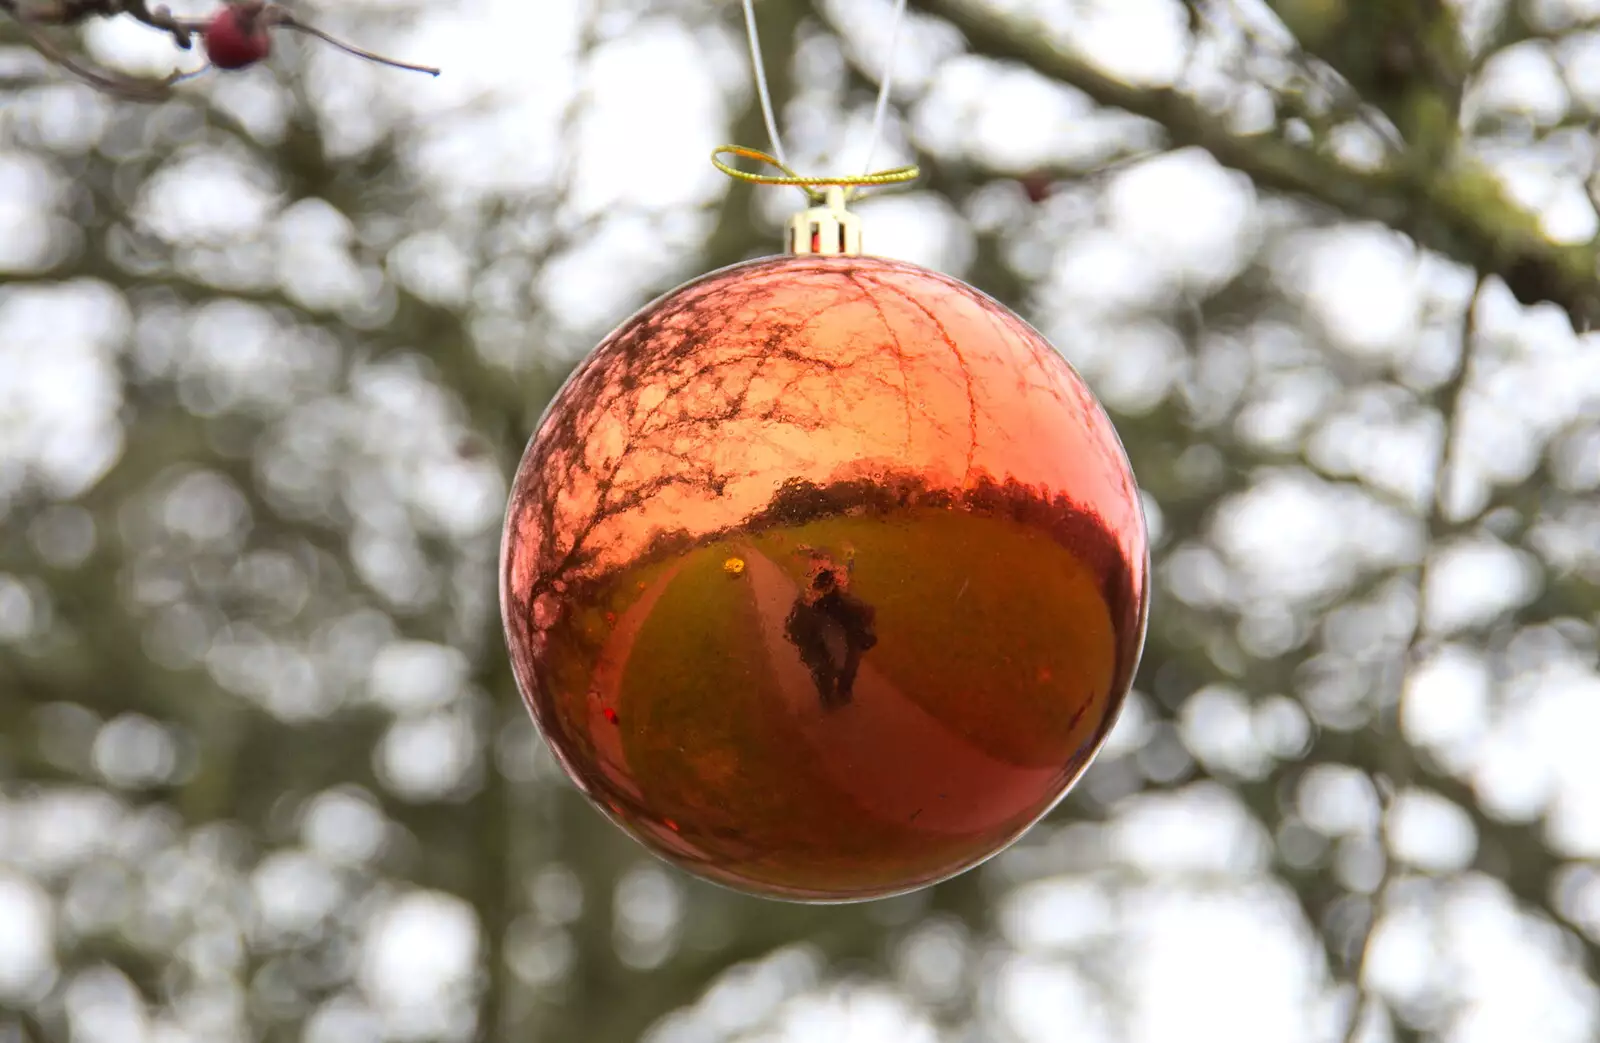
(824,577)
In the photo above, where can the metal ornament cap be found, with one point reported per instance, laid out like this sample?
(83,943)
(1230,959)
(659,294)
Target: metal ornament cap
(829,230)
(824,577)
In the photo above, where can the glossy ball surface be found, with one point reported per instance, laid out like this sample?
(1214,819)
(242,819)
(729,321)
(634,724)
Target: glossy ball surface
(824,577)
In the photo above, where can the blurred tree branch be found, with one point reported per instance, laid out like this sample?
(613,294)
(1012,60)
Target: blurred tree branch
(76,12)
(1404,57)
(1396,760)
(1451,204)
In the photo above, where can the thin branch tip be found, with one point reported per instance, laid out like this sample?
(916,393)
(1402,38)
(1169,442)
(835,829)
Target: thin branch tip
(287,21)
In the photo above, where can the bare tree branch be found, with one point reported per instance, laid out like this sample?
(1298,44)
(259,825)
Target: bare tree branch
(234,15)
(1396,757)
(1456,208)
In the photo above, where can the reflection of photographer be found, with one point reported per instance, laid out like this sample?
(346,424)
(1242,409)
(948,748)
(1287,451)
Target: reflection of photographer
(831,628)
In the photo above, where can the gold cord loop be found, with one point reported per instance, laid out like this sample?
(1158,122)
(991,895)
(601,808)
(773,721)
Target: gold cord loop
(809,185)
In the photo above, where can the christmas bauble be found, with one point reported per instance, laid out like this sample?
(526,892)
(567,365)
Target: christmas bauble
(824,577)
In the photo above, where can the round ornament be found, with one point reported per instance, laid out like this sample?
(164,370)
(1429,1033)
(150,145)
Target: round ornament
(825,575)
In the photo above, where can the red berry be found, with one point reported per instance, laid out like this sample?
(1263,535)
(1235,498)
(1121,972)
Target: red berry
(1037,187)
(237,36)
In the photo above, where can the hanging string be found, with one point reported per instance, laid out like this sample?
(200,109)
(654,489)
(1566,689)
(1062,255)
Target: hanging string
(881,109)
(812,185)
(762,90)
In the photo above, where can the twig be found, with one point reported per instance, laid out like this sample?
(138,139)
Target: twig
(129,87)
(1448,398)
(287,21)
(32,15)
(182,30)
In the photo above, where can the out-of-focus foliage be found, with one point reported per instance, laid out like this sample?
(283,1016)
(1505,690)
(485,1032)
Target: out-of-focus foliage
(269,351)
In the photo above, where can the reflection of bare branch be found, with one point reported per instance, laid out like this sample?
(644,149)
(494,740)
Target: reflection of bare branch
(659,353)
(961,363)
(737,358)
